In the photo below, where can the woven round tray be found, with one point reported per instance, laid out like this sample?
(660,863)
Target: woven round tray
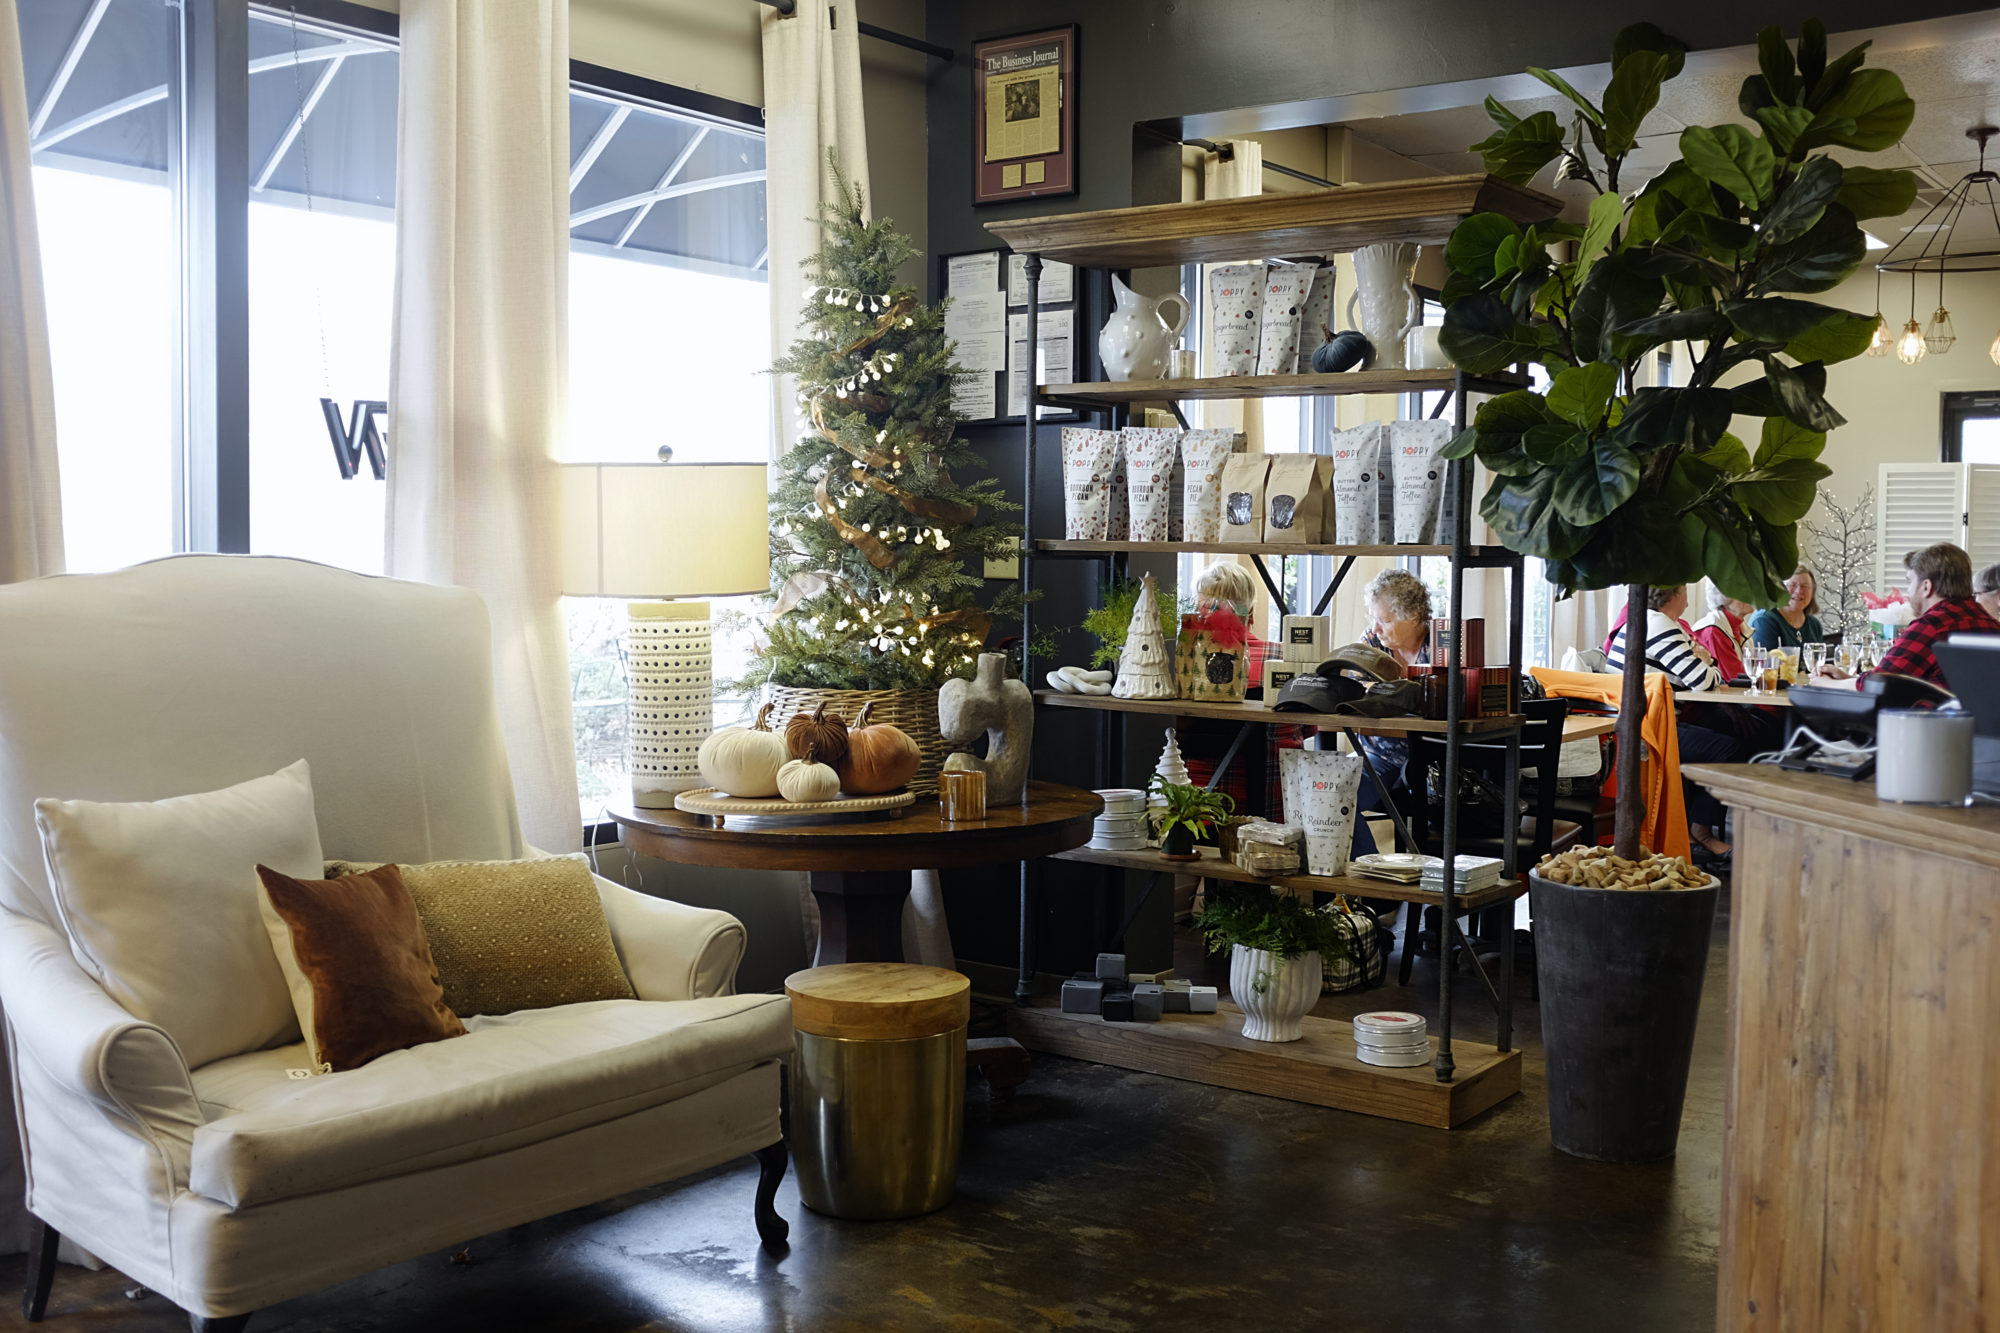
(709,801)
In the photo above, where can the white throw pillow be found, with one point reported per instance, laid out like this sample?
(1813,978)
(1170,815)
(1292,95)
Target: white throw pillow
(161,902)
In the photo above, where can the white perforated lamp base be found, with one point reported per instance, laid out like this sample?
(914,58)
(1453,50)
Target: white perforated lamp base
(672,707)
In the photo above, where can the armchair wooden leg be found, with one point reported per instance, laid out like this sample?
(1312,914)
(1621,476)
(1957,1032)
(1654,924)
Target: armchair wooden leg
(42,1242)
(229,1323)
(770,1226)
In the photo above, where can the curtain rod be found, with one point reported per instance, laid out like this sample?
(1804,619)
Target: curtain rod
(880,34)
(1227,153)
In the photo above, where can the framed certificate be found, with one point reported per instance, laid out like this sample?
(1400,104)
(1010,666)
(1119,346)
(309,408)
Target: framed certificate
(1024,116)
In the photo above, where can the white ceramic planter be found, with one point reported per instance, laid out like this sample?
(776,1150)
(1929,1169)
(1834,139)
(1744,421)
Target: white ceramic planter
(1274,993)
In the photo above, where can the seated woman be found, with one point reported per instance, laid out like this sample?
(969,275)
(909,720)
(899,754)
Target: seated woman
(1669,649)
(1986,589)
(1794,624)
(1399,623)
(1724,631)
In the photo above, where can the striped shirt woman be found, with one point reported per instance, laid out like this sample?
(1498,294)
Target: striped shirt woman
(1669,648)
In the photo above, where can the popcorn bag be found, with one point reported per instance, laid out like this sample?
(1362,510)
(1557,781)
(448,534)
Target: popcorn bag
(1321,790)
(1419,479)
(1089,457)
(1316,319)
(1203,454)
(1243,497)
(1296,498)
(1278,336)
(1154,479)
(1235,312)
(1360,457)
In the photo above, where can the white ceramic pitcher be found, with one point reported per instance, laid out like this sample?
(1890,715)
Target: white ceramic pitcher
(1385,285)
(1136,339)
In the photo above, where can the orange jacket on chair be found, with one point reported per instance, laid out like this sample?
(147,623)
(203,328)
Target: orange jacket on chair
(1665,828)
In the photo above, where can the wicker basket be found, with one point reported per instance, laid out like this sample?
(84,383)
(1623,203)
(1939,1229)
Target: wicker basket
(913,712)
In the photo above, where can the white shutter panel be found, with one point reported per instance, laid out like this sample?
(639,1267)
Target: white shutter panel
(1916,504)
(1982,514)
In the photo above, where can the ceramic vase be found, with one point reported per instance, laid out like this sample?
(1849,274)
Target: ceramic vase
(1274,993)
(1386,290)
(1136,339)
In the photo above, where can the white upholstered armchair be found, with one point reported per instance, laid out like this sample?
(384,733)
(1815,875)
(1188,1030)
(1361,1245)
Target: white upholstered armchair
(234,1185)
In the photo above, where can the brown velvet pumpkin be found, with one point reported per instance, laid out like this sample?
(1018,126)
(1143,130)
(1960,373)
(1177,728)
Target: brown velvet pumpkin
(879,757)
(818,737)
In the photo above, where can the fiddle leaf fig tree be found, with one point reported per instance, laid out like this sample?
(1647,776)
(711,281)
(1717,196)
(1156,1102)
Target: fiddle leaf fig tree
(1615,485)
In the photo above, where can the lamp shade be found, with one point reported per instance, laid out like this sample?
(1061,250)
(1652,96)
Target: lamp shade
(664,529)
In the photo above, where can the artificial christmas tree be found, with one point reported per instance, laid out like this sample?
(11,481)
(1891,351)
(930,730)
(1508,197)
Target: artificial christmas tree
(1172,768)
(876,547)
(1143,669)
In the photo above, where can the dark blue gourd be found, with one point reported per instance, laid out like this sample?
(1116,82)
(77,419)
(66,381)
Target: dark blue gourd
(1344,351)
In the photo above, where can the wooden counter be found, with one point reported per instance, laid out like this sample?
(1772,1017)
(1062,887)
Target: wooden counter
(1861,1167)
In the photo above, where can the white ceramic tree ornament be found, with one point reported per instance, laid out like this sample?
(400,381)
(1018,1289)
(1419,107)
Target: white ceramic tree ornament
(1143,669)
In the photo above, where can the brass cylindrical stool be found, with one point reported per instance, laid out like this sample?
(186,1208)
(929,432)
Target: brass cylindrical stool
(878,1087)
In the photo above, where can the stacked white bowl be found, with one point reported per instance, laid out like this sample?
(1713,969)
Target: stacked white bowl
(1392,1038)
(1122,826)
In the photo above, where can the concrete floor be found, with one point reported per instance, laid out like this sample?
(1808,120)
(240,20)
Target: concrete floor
(1111,1201)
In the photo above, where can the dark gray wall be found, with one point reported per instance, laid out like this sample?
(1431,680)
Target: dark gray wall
(1148,72)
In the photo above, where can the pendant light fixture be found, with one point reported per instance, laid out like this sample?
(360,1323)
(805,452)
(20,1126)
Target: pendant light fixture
(1882,340)
(1933,245)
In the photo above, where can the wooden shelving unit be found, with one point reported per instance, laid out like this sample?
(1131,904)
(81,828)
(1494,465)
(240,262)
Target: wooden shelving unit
(1474,554)
(1220,231)
(1233,388)
(1212,866)
(1251,710)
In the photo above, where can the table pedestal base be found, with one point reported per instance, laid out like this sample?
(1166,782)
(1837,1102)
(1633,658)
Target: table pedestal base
(860,915)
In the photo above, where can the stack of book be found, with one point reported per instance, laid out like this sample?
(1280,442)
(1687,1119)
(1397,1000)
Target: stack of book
(1395,867)
(1470,874)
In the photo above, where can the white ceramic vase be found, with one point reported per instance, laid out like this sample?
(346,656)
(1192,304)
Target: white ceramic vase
(1274,993)
(1386,290)
(1136,339)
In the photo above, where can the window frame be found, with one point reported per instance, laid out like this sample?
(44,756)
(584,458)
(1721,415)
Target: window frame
(1955,409)
(210,101)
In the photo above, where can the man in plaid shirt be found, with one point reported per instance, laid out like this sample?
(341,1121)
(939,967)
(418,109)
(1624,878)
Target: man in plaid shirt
(1940,592)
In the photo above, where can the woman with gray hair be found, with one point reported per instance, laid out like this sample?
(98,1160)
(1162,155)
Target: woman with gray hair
(1724,631)
(1986,588)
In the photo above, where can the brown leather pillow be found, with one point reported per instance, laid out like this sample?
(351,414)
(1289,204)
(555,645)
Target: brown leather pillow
(358,963)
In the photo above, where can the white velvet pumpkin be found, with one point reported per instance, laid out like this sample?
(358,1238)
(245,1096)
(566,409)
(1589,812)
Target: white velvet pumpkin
(804,780)
(744,761)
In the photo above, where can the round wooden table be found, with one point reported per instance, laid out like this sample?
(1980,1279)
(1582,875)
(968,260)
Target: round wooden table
(860,865)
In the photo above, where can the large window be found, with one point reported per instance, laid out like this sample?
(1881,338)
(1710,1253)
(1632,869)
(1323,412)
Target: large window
(669,330)
(1971,427)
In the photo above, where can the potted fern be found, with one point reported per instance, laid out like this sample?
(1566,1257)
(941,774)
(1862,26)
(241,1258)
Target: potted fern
(1277,946)
(1613,485)
(1184,814)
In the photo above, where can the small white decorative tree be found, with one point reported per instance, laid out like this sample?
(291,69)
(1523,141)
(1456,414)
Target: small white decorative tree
(1840,546)
(1143,669)
(1171,768)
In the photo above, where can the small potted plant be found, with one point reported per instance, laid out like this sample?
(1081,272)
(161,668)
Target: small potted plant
(1186,814)
(1277,946)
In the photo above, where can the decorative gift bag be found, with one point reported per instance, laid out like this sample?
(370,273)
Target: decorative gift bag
(1321,790)
(1364,964)
(1210,661)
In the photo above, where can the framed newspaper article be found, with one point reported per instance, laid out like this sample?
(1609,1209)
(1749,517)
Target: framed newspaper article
(1024,116)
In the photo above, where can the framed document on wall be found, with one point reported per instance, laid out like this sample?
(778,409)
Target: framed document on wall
(1024,116)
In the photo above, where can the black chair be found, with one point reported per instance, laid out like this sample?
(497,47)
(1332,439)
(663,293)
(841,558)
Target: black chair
(1536,834)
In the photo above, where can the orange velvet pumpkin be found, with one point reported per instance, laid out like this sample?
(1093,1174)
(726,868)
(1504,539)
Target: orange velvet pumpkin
(818,737)
(879,757)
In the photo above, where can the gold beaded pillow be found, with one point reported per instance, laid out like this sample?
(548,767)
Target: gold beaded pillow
(510,935)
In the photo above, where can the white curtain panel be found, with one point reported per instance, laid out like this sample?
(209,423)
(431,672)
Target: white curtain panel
(479,364)
(812,104)
(31,538)
(1241,177)
(1580,622)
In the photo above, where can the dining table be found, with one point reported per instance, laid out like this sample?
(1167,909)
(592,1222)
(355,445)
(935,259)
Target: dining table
(1736,695)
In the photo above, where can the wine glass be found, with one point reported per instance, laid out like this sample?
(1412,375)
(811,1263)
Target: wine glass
(1755,662)
(1845,655)
(1815,659)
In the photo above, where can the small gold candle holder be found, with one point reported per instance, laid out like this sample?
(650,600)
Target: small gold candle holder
(962,796)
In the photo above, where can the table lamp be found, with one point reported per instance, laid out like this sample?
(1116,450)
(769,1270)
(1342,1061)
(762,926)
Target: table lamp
(648,531)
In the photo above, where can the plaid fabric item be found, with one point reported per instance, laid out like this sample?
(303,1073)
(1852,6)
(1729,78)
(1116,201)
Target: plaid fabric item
(1912,653)
(1366,962)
